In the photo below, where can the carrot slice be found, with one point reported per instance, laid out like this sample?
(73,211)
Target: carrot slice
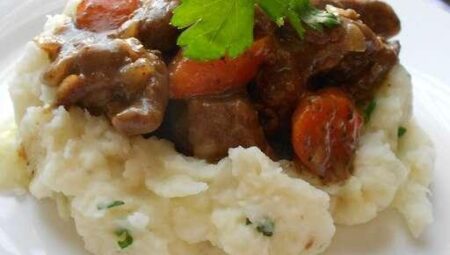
(325,133)
(104,15)
(190,78)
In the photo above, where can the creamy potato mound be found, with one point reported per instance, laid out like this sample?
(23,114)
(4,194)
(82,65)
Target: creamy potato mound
(13,173)
(386,165)
(135,195)
(167,203)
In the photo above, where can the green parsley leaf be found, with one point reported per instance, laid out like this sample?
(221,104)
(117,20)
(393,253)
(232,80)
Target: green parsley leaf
(276,9)
(214,29)
(125,238)
(368,111)
(298,12)
(317,19)
(266,227)
(401,132)
(296,22)
(110,205)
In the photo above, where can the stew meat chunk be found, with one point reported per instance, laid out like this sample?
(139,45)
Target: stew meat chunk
(217,124)
(116,77)
(151,25)
(207,127)
(350,56)
(377,15)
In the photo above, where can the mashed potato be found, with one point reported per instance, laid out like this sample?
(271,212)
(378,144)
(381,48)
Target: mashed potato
(167,199)
(135,195)
(167,203)
(14,175)
(386,164)
(412,199)
(378,172)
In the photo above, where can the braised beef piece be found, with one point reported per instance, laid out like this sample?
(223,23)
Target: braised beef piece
(115,77)
(151,25)
(175,126)
(360,73)
(218,124)
(292,62)
(351,56)
(284,78)
(377,15)
(207,127)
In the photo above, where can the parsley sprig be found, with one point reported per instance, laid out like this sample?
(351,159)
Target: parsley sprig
(298,12)
(218,28)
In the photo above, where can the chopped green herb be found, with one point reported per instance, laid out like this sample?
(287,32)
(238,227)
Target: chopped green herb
(298,11)
(369,110)
(313,17)
(110,205)
(401,132)
(266,227)
(125,238)
(221,28)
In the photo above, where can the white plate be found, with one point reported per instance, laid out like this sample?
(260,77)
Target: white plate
(29,227)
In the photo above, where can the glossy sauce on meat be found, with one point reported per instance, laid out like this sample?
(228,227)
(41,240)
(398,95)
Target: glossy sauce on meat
(115,77)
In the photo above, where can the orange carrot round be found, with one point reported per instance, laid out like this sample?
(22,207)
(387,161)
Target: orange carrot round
(325,133)
(104,15)
(190,78)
